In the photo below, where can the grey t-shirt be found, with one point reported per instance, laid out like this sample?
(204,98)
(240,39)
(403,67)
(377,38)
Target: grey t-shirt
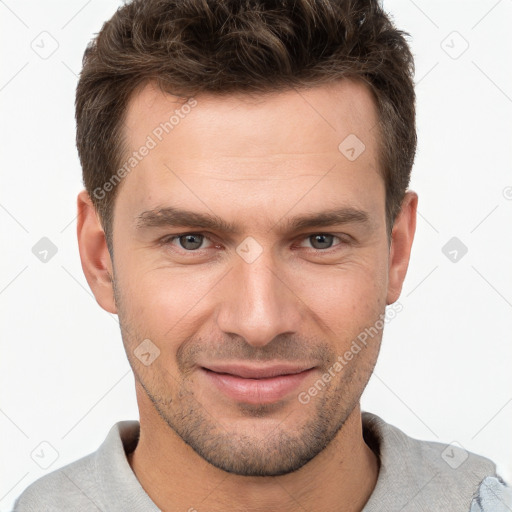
(414,476)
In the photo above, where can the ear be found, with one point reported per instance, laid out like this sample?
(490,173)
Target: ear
(92,244)
(402,236)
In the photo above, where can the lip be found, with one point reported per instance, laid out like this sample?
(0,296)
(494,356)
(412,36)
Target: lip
(256,384)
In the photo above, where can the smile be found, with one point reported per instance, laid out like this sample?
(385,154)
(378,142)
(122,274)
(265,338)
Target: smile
(256,385)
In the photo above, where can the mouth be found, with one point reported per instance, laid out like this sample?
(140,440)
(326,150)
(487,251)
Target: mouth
(256,384)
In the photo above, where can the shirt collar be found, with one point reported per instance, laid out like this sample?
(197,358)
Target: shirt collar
(412,473)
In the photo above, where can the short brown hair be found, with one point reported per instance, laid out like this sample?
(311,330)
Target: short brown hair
(251,46)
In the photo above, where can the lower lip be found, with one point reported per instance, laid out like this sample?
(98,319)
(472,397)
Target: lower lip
(256,391)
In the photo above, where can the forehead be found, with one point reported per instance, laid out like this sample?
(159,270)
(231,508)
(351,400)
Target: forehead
(326,114)
(248,148)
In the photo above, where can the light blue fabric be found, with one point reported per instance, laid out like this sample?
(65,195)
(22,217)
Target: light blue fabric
(493,496)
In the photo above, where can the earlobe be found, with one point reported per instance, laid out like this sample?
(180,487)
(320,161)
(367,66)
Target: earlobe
(94,254)
(402,237)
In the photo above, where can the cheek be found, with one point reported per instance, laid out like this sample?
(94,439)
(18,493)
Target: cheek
(166,303)
(347,299)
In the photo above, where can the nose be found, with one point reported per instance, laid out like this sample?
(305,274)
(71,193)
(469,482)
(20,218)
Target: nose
(258,302)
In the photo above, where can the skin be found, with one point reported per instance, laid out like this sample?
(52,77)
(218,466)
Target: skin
(257,162)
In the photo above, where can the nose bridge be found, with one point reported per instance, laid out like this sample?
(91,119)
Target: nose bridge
(257,303)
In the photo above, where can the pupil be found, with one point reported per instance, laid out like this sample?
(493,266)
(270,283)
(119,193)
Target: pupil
(324,241)
(189,239)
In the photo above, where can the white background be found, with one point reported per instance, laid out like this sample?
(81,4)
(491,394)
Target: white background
(445,368)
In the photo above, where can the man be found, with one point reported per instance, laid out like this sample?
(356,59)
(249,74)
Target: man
(247,217)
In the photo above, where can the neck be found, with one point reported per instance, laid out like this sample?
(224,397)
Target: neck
(341,477)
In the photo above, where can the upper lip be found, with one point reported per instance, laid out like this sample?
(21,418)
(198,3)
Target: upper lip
(257,372)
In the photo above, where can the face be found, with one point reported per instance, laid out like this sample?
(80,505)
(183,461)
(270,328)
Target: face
(249,253)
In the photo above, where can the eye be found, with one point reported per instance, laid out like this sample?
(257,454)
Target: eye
(188,241)
(195,242)
(322,241)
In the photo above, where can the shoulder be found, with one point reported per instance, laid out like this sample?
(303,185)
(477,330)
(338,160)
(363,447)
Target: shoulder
(414,473)
(71,487)
(92,482)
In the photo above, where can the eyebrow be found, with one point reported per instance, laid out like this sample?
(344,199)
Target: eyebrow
(177,217)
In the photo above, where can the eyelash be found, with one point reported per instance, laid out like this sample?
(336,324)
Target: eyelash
(169,239)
